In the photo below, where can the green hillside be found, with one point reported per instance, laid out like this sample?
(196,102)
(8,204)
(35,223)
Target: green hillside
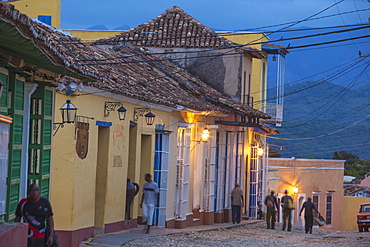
(322,118)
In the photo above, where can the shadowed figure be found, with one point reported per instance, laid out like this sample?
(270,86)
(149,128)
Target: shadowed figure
(131,191)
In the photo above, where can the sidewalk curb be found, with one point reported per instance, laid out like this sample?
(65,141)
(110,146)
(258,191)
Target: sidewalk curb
(167,231)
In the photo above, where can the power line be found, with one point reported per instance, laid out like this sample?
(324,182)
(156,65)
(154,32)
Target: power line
(312,19)
(344,91)
(328,42)
(226,47)
(320,136)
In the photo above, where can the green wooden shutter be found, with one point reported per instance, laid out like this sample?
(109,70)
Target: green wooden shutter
(40,138)
(16,88)
(4,96)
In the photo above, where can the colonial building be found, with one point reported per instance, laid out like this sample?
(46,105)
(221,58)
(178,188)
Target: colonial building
(28,71)
(228,67)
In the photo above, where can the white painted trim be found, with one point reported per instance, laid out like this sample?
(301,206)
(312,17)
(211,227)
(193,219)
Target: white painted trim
(29,89)
(185,125)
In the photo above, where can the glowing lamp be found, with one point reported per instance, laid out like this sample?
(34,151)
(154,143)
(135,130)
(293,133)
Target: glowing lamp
(205,135)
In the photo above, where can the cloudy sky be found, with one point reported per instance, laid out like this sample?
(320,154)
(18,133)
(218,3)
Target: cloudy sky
(243,15)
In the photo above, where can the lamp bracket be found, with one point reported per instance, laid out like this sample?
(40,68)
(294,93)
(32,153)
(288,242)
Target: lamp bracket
(139,112)
(59,125)
(111,106)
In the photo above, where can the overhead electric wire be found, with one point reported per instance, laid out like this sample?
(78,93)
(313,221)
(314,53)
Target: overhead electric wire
(320,136)
(317,48)
(328,42)
(319,82)
(293,24)
(226,47)
(339,97)
(343,91)
(312,19)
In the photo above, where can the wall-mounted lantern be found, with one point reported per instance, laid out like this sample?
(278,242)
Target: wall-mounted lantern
(260,152)
(205,135)
(1,88)
(295,190)
(149,117)
(111,106)
(121,113)
(68,111)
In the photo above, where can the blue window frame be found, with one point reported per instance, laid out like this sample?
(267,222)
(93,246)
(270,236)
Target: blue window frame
(45,19)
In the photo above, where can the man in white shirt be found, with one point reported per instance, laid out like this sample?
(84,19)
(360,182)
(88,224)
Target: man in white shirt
(149,199)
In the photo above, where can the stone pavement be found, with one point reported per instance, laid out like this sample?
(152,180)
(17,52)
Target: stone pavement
(119,238)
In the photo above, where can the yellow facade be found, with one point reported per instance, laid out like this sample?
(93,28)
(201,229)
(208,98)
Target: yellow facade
(259,66)
(35,8)
(351,206)
(91,193)
(89,36)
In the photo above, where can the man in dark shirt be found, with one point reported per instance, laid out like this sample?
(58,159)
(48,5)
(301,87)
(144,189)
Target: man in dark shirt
(35,210)
(287,210)
(308,207)
(271,204)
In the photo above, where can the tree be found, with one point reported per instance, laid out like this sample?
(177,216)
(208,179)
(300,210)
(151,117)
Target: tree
(274,153)
(353,165)
(348,157)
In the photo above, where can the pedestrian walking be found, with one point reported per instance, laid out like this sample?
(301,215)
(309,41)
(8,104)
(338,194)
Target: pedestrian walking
(35,211)
(236,203)
(287,204)
(271,204)
(308,207)
(148,201)
(131,191)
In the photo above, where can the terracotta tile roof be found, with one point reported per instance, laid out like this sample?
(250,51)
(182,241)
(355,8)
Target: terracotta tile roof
(131,72)
(175,29)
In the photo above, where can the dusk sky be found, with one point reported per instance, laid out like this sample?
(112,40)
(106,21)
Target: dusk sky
(243,15)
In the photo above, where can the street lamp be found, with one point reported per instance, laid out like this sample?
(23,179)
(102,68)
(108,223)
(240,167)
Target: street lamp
(149,118)
(68,111)
(205,135)
(121,113)
(260,152)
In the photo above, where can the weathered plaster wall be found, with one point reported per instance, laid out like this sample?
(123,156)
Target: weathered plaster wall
(222,69)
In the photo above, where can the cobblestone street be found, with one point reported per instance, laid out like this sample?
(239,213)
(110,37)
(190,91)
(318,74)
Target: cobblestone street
(256,235)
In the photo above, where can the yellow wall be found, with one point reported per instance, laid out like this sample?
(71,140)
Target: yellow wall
(258,85)
(351,205)
(34,8)
(73,184)
(90,36)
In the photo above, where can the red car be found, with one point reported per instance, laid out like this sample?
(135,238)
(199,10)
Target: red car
(363,217)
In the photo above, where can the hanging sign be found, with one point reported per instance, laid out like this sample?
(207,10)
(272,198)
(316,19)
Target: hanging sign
(82,141)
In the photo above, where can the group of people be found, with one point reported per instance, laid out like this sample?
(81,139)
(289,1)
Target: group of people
(287,206)
(37,211)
